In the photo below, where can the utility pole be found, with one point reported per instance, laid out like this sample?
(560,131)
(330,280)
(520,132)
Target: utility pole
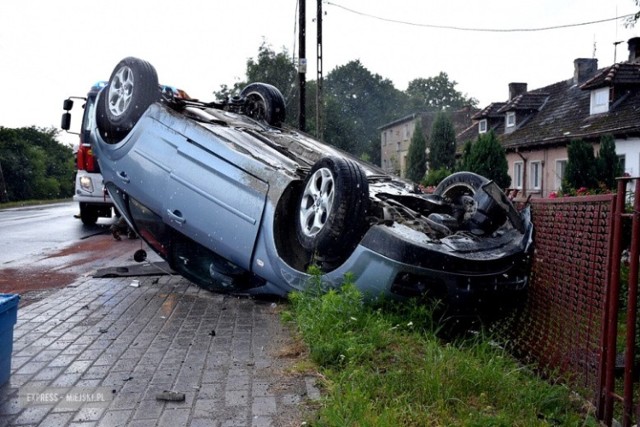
(302,63)
(319,76)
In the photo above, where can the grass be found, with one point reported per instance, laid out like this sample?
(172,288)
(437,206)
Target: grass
(384,365)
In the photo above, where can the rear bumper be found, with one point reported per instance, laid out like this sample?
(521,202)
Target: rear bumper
(484,282)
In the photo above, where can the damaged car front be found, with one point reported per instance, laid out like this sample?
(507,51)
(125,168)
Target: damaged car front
(237,202)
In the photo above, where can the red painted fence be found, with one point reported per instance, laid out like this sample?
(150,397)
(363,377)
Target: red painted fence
(579,322)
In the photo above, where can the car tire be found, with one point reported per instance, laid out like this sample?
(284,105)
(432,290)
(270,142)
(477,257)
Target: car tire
(264,102)
(460,184)
(332,207)
(88,215)
(132,88)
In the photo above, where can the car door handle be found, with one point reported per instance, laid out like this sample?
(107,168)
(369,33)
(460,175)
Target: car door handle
(176,216)
(123,176)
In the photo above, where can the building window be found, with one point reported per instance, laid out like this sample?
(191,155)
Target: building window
(406,132)
(482,126)
(517,174)
(561,168)
(511,119)
(622,161)
(535,177)
(600,100)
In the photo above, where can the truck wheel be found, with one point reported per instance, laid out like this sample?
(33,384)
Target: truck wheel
(264,102)
(333,207)
(132,88)
(88,214)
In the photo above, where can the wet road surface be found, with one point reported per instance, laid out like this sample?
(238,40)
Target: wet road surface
(43,248)
(29,233)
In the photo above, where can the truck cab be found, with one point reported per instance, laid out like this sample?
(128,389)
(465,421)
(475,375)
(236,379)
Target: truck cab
(93,200)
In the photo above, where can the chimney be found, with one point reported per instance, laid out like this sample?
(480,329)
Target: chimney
(516,89)
(634,49)
(584,69)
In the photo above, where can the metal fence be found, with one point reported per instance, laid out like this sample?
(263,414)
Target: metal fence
(580,321)
(560,327)
(620,341)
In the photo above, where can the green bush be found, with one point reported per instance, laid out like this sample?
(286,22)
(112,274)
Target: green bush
(434,177)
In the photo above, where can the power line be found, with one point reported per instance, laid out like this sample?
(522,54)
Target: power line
(485,30)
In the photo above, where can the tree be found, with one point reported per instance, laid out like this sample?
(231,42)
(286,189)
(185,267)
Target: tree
(442,144)
(417,155)
(3,187)
(581,167)
(608,165)
(356,103)
(437,93)
(487,158)
(632,20)
(35,165)
(463,162)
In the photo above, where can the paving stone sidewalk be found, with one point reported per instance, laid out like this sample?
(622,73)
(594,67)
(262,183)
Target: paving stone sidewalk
(99,352)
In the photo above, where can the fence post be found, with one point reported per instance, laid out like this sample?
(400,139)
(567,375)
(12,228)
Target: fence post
(608,360)
(632,306)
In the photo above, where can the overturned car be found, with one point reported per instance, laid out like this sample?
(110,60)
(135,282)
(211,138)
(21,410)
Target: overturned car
(237,202)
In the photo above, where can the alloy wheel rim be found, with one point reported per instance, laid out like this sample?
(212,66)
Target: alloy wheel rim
(317,202)
(121,91)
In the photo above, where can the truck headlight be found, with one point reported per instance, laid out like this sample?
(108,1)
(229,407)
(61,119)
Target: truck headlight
(86,184)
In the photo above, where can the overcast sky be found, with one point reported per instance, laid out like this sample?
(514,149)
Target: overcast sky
(50,49)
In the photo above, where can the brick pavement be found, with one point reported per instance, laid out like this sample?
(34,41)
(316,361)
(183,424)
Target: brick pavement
(118,346)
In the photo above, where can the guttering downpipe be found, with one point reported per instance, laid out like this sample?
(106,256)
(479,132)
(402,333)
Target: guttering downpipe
(524,172)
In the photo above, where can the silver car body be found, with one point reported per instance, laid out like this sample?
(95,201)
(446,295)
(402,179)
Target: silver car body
(229,186)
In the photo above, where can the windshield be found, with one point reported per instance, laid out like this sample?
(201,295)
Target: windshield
(87,118)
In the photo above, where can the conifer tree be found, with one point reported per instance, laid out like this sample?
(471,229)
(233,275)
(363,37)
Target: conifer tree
(417,155)
(581,167)
(487,158)
(442,144)
(608,164)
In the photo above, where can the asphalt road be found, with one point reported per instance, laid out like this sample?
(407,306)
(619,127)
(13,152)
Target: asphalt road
(30,233)
(43,248)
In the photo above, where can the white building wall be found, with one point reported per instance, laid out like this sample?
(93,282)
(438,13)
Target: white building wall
(630,148)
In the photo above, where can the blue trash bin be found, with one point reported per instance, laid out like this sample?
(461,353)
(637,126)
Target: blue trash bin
(8,317)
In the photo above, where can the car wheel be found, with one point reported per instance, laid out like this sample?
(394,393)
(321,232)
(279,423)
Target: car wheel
(460,184)
(332,207)
(88,215)
(264,102)
(132,88)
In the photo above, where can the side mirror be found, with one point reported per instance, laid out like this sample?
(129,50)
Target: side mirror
(67,105)
(66,119)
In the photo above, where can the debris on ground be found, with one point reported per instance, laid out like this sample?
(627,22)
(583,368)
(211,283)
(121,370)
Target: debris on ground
(171,396)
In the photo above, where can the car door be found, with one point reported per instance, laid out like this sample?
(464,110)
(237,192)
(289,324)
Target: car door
(213,201)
